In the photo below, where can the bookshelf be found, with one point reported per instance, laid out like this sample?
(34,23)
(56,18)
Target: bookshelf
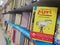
(29,8)
(26,33)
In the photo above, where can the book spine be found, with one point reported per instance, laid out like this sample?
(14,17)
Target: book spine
(13,29)
(17,21)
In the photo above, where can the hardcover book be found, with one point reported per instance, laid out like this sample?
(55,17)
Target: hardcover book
(43,23)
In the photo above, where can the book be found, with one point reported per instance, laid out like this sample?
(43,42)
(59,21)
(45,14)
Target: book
(43,23)
(25,23)
(31,43)
(18,3)
(11,5)
(30,28)
(13,33)
(57,33)
(28,2)
(1,22)
(15,2)
(22,3)
(9,30)
(9,34)
(25,18)
(29,20)
(5,25)
(17,21)
(2,37)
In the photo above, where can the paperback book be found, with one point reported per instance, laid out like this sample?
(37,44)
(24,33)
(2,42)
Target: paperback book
(17,22)
(43,23)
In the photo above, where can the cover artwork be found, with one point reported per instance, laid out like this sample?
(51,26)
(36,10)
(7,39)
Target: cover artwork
(43,24)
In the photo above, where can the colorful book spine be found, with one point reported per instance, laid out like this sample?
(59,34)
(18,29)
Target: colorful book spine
(30,27)
(24,22)
(17,21)
(28,14)
(9,34)
(13,29)
(11,5)
(18,3)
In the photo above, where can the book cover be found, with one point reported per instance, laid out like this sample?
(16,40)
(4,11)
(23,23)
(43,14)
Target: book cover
(43,26)
(57,33)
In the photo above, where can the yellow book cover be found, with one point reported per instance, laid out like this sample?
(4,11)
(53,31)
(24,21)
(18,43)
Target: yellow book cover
(43,24)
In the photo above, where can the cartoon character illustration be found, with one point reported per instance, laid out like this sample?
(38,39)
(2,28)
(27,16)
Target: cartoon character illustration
(42,24)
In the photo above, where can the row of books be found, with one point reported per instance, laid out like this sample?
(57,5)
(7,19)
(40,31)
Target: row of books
(38,21)
(24,19)
(16,36)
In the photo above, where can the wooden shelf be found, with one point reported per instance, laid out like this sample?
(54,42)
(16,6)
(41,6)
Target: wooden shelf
(28,8)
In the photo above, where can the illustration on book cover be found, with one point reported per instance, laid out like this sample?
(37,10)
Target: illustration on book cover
(43,24)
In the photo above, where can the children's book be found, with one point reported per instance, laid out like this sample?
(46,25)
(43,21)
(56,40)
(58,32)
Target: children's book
(43,23)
